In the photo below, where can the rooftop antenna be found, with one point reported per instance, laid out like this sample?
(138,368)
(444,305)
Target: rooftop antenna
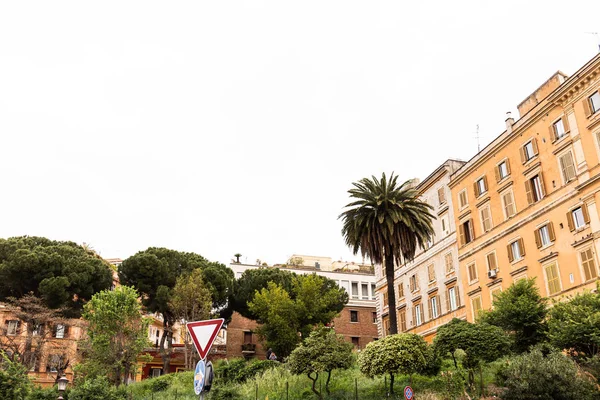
(597,37)
(478,137)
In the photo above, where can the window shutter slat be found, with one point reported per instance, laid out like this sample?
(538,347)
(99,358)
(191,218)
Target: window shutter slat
(456,296)
(586,214)
(472,230)
(522,246)
(534,146)
(485,183)
(542,186)
(511,258)
(551,231)
(522,153)
(570,221)
(587,107)
(476,189)
(565,122)
(538,240)
(461,231)
(508,166)
(552,133)
(497,173)
(529,192)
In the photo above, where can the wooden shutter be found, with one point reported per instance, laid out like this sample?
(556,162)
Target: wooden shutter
(461,232)
(523,156)
(522,246)
(456,296)
(538,239)
(534,146)
(430,309)
(528,191)
(471,229)
(491,260)
(438,306)
(485,183)
(422,314)
(570,221)
(476,189)
(551,231)
(542,187)
(497,172)
(414,316)
(511,257)
(587,107)
(586,214)
(567,166)
(565,122)
(552,133)
(507,161)
(448,300)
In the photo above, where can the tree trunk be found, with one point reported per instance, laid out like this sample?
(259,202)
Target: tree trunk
(391,383)
(389,276)
(327,382)
(454,359)
(314,383)
(167,336)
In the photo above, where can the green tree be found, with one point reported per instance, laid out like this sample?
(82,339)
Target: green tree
(116,332)
(63,274)
(386,222)
(191,301)
(154,273)
(521,312)
(404,353)
(552,376)
(14,383)
(253,280)
(322,351)
(481,343)
(287,317)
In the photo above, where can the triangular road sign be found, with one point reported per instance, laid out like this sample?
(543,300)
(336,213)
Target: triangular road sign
(203,334)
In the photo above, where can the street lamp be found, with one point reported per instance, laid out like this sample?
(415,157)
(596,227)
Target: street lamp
(62,385)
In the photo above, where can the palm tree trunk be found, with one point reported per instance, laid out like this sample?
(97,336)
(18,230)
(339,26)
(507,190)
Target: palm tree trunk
(389,276)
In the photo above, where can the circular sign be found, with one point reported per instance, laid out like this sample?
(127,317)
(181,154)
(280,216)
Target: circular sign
(199,375)
(408,393)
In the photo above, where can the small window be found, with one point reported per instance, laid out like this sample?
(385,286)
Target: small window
(400,291)
(502,171)
(594,102)
(578,219)
(528,151)
(402,318)
(466,232)
(480,186)
(477,307)
(414,284)
(544,235)
(418,314)
(374,317)
(486,218)
(449,263)
(386,326)
(462,199)
(558,128)
(373,291)
(567,167)
(534,188)
(356,342)
(12,327)
(516,250)
(431,272)
(589,265)
(59,331)
(434,307)
(452,298)
(247,337)
(471,268)
(441,196)
(385,299)
(552,278)
(156,372)
(508,203)
(353,316)
(492,263)
(355,290)
(365,291)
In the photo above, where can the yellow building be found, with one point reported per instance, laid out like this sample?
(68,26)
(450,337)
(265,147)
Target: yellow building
(525,206)
(428,289)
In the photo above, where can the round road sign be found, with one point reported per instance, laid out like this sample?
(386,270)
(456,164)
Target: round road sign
(199,375)
(408,393)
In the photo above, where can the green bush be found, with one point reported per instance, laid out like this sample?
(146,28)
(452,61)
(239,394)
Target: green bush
(14,382)
(240,370)
(161,383)
(97,389)
(46,394)
(536,376)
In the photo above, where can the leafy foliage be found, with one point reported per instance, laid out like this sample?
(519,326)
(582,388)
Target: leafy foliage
(521,312)
(14,383)
(386,222)
(116,332)
(63,274)
(240,370)
(554,376)
(97,389)
(313,300)
(575,325)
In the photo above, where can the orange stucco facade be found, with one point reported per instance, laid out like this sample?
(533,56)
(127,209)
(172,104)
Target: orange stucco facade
(526,205)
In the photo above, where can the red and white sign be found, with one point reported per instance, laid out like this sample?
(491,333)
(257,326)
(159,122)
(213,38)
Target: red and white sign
(203,334)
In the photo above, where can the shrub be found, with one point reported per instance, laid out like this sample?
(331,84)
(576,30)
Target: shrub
(161,383)
(46,394)
(239,370)
(14,383)
(536,376)
(97,389)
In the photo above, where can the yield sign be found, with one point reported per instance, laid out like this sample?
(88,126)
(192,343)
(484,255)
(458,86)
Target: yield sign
(203,334)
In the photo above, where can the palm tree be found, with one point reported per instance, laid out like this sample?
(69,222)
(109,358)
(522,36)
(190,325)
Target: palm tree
(386,222)
(237,257)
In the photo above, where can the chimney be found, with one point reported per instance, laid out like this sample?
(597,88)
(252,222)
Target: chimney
(509,122)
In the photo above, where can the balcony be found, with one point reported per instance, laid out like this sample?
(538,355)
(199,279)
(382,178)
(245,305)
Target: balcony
(248,349)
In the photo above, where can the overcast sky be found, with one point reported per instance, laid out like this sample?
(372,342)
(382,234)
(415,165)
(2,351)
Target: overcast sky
(238,126)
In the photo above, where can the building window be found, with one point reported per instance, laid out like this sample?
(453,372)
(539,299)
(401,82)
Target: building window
(476,306)
(449,263)
(418,314)
(444,220)
(494,293)
(386,326)
(480,186)
(472,270)
(37,330)
(529,150)
(59,331)
(12,327)
(385,299)
(355,290)
(402,318)
(155,372)
(508,203)
(374,317)
(247,337)
(372,291)
(567,167)
(434,307)
(431,273)
(486,218)
(544,235)
(502,170)
(466,232)
(593,104)
(356,342)
(552,278)
(54,362)
(491,261)
(452,300)
(558,129)
(462,199)
(578,217)
(365,291)
(516,250)
(353,316)
(441,196)
(534,188)
(400,291)
(414,284)
(588,264)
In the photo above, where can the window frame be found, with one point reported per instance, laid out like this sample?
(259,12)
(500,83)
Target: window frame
(355,313)
(451,257)
(466,197)
(487,261)
(583,266)
(500,177)
(565,168)
(488,219)
(452,296)
(578,224)
(504,204)
(14,323)
(594,108)
(557,278)
(472,266)
(435,311)
(475,314)
(431,273)
(555,130)
(529,157)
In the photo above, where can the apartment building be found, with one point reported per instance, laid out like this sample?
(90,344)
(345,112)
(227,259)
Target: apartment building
(357,322)
(428,289)
(526,205)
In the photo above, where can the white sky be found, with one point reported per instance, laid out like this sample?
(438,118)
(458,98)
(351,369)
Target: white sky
(237,126)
